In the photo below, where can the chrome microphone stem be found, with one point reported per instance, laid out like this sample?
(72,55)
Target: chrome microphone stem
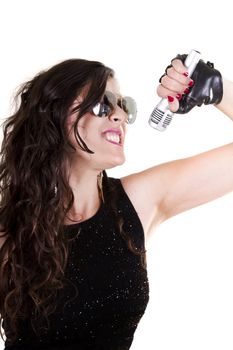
(161,116)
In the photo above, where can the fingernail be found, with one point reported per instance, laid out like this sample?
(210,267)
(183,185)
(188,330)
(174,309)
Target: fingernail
(186,74)
(170,98)
(179,96)
(191,83)
(186,91)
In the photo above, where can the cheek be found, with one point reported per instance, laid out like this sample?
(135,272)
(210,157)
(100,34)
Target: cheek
(88,135)
(82,130)
(72,137)
(89,129)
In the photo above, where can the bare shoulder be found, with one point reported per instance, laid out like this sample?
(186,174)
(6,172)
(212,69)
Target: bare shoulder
(146,185)
(145,192)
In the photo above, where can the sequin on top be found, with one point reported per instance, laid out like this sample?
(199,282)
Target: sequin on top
(107,289)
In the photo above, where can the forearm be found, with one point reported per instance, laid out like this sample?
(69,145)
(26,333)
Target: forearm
(226,105)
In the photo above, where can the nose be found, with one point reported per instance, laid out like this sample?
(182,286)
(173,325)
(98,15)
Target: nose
(118,115)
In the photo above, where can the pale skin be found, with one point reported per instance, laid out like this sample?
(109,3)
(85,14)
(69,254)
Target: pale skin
(168,189)
(174,187)
(163,190)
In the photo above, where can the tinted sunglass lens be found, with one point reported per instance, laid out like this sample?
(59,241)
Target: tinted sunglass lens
(106,106)
(130,107)
(110,100)
(101,110)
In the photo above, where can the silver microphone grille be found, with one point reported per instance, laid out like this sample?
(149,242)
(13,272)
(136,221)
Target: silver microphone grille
(159,119)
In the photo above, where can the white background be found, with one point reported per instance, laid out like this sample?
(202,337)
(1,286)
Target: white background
(190,256)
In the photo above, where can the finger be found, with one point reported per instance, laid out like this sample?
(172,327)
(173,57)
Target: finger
(164,92)
(173,85)
(173,103)
(173,99)
(182,71)
(179,66)
(179,77)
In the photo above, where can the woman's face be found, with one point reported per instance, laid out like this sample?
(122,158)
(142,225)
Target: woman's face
(103,135)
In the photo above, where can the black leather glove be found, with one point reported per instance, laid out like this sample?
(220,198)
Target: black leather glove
(207,88)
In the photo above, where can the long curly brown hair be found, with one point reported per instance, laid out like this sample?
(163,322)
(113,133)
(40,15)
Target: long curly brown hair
(34,153)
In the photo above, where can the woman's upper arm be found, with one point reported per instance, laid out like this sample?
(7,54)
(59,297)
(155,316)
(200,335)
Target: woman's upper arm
(145,190)
(171,188)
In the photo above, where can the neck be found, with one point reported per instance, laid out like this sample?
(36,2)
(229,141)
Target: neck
(87,199)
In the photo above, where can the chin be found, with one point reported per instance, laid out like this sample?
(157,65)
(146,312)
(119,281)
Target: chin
(116,162)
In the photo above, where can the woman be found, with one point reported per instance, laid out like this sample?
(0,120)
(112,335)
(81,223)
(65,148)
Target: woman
(73,271)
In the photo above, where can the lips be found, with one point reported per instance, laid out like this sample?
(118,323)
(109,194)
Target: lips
(113,136)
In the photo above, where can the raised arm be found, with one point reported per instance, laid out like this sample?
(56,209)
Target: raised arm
(171,188)
(226,105)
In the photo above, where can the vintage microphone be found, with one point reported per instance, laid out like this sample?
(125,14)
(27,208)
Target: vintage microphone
(161,116)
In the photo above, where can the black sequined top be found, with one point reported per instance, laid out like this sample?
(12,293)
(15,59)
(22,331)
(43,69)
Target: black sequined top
(106,289)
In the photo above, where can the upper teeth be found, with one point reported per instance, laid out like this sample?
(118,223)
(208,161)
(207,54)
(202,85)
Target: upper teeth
(110,136)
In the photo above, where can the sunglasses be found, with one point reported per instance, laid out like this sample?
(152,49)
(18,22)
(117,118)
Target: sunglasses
(108,105)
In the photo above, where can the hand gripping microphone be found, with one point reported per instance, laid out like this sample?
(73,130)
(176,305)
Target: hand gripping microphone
(161,116)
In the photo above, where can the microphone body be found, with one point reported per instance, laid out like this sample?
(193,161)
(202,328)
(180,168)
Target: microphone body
(161,116)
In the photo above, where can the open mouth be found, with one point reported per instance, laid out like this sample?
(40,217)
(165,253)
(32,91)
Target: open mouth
(113,137)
